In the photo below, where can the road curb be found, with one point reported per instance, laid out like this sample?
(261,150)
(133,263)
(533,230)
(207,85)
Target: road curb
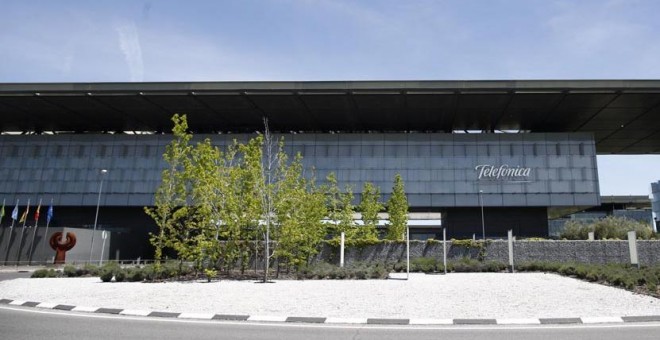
(330,320)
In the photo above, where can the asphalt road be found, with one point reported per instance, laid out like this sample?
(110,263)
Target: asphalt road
(34,323)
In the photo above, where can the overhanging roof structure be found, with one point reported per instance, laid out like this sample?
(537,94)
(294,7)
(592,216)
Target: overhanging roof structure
(623,115)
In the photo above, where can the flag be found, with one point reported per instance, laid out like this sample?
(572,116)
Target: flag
(49,214)
(25,214)
(36,213)
(14,214)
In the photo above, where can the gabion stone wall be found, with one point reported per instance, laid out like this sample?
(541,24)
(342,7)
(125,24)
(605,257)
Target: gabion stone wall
(524,251)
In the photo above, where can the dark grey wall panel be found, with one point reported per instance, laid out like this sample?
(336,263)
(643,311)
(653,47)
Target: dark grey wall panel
(438,169)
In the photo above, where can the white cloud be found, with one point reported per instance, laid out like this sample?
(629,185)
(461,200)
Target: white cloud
(129,43)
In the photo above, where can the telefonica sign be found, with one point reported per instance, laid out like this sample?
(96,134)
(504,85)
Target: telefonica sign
(503,172)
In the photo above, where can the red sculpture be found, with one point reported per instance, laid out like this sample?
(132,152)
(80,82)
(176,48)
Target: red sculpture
(61,245)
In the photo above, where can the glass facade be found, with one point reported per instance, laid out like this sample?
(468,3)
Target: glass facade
(439,170)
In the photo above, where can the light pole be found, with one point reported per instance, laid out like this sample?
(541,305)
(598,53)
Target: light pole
(96,218)
(483,226)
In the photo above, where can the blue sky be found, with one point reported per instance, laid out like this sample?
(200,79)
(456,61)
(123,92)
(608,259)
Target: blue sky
(80,41)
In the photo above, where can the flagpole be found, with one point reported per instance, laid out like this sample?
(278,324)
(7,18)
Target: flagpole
(20,241)
(34,233)
(2,217)
(49,215)
(11,230)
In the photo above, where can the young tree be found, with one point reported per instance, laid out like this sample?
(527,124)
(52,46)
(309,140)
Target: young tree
(340,209)
(397,207)
(249,199)
(369,206)
(274,188)
(300,209)
(170,208)
(206,197)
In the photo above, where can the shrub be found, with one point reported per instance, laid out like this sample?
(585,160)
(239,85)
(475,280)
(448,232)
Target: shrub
(90,269)
(149,272)
(42,273)
(581,271)
(360,274)
(170,269)
(210,274)
(378,272)
(422,264)
(530,266)
(567,269)
(322,270)
(120,275)
(106,275)
(493,266)
(134,274)
(610,227)
(359,271)
(399,267)
(592,276)
(466,265)
(71,271)
(109,270)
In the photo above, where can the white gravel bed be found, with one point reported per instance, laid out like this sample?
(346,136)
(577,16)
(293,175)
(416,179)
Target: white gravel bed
(469,295)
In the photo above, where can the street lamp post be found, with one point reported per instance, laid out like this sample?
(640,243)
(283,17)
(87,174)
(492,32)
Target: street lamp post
(483,226)
(96,218)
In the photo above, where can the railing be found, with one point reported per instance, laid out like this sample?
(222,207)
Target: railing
(127,262)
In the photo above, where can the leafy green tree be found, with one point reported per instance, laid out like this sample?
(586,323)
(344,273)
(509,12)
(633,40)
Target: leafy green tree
(247,201)
(213,202)
(369,206)
(170,209)
(340,209)
(397,207)
(205,199)
(300,210)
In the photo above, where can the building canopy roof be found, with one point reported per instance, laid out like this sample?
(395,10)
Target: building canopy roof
(623,115)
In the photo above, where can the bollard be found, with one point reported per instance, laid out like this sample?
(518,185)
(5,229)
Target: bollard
(632,245)
(341,251)
(591,236)
(444,248)
(510,235)
(407,252)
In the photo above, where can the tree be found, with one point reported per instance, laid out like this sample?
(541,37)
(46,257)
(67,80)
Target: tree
(210,194)
(370,206)
(273,189)
(170,209)
(397,207)
(207,193)
(300,209)
(340,209)
(249,186)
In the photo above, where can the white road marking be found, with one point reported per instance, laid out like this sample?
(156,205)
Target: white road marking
(199,316)
(520,321)
(135,312)
(602,319)
(346,320)
(47,305)
(85,309)
(431,321)
(267,318)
